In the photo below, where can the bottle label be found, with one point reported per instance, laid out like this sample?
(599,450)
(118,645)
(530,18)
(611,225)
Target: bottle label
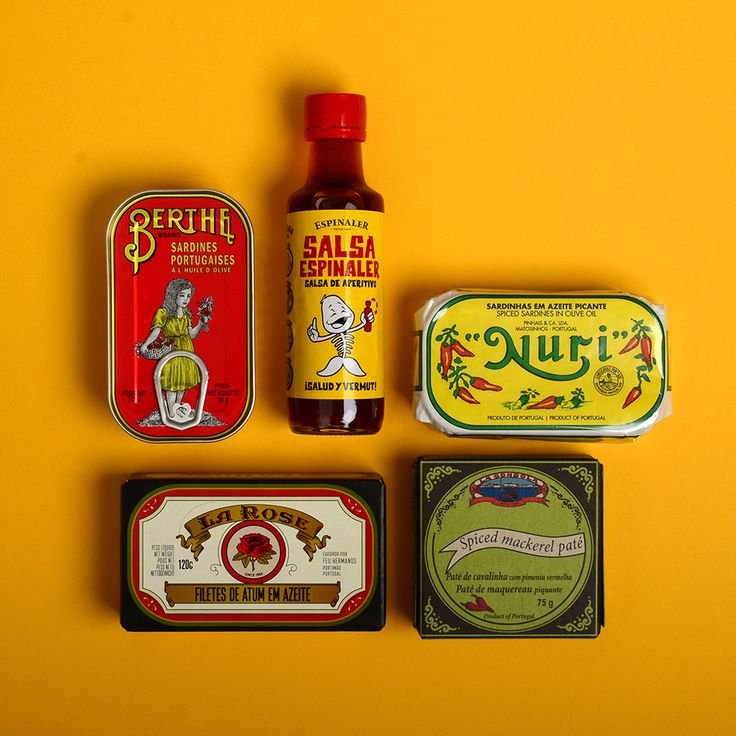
(335,304)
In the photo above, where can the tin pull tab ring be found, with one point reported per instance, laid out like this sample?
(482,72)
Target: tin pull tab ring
(180,415)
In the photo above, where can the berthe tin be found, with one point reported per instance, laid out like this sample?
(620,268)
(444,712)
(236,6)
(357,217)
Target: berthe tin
(268,552)
(180,306)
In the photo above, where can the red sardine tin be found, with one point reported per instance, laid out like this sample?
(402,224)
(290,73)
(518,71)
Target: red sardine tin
(180,305)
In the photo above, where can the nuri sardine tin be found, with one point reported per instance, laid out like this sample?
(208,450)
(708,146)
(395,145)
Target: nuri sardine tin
(574,365)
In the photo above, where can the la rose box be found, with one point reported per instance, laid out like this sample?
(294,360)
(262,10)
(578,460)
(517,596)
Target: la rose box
(268,552)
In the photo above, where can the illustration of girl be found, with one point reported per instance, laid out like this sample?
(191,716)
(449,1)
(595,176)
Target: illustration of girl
(174,319)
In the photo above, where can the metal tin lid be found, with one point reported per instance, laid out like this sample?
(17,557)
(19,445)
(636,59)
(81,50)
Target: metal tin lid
(588,364)
(180,308)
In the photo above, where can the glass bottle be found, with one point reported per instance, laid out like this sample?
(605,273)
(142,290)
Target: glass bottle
(335,282)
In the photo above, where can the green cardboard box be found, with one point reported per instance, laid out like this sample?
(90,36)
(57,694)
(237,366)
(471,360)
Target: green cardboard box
(509,547)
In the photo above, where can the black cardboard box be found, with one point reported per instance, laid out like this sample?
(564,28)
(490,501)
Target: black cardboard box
(253,553)
(509,547)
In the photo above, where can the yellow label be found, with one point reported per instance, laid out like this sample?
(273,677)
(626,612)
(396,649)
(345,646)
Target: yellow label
(335,304)
(502,361)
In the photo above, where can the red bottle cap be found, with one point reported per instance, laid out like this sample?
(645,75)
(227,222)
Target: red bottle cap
(334,115)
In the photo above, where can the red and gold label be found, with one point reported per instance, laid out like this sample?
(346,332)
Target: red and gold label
(335,304)
(180,311)
(233,554)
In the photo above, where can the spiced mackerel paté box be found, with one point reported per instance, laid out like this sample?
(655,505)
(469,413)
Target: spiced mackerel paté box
(509,547)
(287,552)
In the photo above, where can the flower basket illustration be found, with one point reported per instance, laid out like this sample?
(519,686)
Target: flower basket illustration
(157,349)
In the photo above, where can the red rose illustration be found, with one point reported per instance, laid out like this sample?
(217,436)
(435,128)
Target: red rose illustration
(254,545)
(254,548)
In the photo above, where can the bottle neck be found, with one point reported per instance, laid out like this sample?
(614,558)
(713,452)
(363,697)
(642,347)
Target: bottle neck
(335,160)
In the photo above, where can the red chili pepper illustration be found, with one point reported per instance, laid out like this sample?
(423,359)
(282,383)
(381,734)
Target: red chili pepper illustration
(632,396)
(630,345)
(445,359)
(646,350)
(461,350)
(478,605)
(550,402)
(482,385)
(641,338)
(453,369)
(465,395)
(481,602)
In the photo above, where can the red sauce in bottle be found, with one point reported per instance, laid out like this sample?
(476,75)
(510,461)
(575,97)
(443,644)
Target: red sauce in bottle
(335,267)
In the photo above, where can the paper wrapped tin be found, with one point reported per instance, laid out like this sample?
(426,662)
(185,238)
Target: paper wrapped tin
(250,553)
(180,283)
(509,547)
(574,365)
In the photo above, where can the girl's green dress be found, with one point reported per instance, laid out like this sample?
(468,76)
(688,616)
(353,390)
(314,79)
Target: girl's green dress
(178,374)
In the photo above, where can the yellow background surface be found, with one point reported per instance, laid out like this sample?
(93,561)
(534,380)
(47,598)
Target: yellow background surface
(543,145)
